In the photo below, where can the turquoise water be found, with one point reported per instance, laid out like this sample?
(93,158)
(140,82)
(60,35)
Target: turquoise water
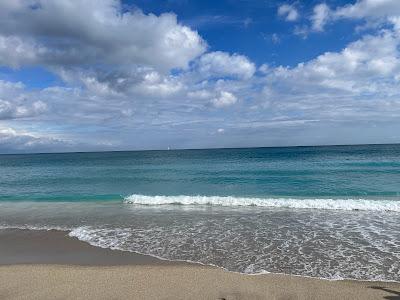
(299,172)
(330,212)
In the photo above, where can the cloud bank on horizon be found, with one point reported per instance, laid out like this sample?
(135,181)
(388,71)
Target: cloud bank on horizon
(111,75)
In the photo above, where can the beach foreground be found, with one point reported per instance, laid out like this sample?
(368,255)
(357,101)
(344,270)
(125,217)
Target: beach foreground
(50,265)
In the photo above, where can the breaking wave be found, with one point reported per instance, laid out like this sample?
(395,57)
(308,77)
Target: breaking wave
(229,201)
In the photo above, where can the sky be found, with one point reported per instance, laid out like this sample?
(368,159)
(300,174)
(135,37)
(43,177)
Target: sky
(100,75)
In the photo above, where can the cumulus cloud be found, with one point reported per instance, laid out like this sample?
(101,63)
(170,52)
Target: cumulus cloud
(224,99)
(75,33)
(223,64)
(143,81)
(12,110)
(135,80)
(359,82)
(374,12)
(14,103)
(289,12)
(369,9)
(365,65)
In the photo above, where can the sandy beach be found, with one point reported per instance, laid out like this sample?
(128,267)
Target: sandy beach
(51,265)
(222,150)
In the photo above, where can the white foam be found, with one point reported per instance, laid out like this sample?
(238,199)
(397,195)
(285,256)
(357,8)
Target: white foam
(322,203)
(32,227)
(101,237)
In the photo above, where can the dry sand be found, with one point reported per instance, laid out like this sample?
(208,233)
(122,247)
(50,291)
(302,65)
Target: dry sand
(57,267)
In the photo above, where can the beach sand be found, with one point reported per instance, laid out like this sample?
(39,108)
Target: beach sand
(51,265)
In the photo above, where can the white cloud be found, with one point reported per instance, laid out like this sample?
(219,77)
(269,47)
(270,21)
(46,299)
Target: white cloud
(12,110)
(200,94)
(14,104)
(289,12)
(264,68)
(302,31)
(371,64)
(223,64)
(12,140)
(374,12)
(320,16)
(224,99)
(369,9)
(358,83)
(67,33)
(135,93)
(144,82)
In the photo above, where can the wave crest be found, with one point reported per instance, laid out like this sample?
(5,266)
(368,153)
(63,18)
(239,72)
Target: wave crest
(230,201)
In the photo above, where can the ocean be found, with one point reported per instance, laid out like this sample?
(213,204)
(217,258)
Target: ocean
(330,212)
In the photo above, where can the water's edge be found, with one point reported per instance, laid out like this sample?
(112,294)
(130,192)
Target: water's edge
(69,233)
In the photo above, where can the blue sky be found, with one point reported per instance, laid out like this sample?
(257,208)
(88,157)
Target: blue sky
(248,27)
(112,75)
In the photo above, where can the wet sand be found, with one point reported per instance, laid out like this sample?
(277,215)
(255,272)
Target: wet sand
(56,247)
(51,265)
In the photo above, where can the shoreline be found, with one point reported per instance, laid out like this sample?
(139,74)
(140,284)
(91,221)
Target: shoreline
(35,262)
(128,257)
(56,247)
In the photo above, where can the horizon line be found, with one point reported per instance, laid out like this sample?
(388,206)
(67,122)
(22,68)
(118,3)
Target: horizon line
(198,149)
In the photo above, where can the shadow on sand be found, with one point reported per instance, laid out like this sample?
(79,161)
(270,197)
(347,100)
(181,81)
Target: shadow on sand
(395,294)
